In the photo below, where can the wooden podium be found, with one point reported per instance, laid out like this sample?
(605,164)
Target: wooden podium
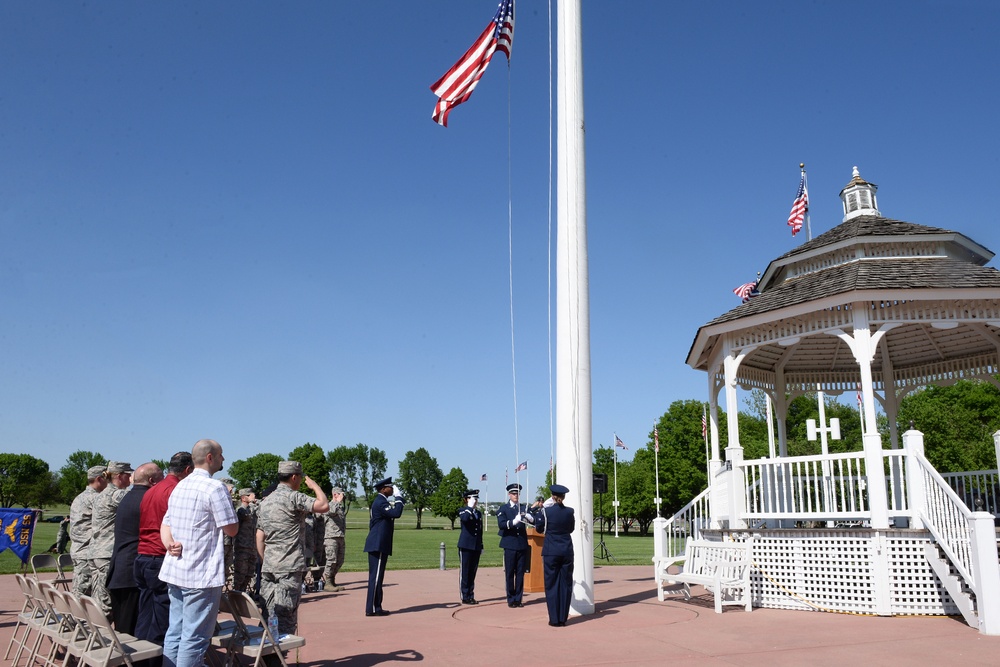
(534,579)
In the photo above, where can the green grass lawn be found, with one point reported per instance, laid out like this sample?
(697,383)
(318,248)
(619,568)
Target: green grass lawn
(412,549)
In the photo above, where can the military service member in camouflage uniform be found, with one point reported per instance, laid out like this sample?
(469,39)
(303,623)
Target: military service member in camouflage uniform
(280,539)
(81,514)
(245,542)
(333,538)
(102,545)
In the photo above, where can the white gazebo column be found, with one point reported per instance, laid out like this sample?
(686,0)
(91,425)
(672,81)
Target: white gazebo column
(891,401)
(863,345)
(717,506)
(734,451)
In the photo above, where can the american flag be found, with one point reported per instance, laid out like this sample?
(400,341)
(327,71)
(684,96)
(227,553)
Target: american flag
(656,439)
(746,291)
(457,84)
(483,478)
(704,423)
(799,207)
(522,466)
(619,443)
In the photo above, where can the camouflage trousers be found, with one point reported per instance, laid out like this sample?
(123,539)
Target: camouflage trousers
(281,592)
(244,571)
(83,577)
(334,548)
(99,584)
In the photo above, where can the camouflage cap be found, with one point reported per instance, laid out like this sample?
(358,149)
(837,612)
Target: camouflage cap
(95,472)
(245,492)
(289,468)
(119,467)
(336,489)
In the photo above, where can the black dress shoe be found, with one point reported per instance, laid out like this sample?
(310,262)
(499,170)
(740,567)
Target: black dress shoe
(472,601)
(518,604)
(511,604)
(381,612)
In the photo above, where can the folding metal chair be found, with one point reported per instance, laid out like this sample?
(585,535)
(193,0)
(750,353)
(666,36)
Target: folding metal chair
(250,641)
(46,561)
(110,648)
(28,618)
(46,622)
(65,564)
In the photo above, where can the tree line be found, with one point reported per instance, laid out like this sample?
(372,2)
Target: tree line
(958,423)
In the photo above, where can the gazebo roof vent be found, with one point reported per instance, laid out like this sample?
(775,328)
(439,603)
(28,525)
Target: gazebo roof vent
(858,197)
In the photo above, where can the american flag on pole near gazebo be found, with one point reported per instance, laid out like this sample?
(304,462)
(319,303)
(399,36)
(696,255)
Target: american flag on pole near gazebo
(799,207)
(746,291)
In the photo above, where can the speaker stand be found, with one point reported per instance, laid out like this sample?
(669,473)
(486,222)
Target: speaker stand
(602,548)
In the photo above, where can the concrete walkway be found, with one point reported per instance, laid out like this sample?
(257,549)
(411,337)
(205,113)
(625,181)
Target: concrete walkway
(629,627)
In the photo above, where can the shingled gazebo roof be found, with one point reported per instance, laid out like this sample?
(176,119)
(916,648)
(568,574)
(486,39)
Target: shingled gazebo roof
(930,284)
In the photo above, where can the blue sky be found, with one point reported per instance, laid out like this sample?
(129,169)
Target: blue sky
(237,220)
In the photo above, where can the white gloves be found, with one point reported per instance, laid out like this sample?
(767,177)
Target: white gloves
(529,519)
(517,519)
(549,503)
(395,491)
(471,502)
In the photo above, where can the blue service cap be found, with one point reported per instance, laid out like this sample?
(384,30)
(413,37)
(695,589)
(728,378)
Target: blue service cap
(382,484)
(558,490)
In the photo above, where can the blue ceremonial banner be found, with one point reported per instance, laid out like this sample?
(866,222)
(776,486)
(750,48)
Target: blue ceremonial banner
(16,529)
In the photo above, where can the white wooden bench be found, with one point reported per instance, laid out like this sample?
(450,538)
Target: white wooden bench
(723,568)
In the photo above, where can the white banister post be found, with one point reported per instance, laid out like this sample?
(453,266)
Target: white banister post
(996,447)
(913,445)
(986,569)
(737,488)
(660,539)
(878,501)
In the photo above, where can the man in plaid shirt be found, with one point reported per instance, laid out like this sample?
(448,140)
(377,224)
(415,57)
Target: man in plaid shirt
(199,512)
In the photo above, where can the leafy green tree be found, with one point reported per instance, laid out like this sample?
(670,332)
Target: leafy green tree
(637,491)
(683,467)
(256,472)
(354,468)
(73,475)
(958,423)
(447,500)
(162,464)
(419,477)
(315,464)
(24,480)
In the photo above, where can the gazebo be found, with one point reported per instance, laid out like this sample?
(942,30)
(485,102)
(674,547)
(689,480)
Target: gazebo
(881,307)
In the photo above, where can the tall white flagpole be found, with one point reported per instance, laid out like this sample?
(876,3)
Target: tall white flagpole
(616,484)
(574,437)
(805,181)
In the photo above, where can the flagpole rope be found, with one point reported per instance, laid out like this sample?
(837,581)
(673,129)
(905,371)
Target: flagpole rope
(552,456)
(510,265)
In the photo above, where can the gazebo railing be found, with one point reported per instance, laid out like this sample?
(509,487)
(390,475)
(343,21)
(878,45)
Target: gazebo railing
(831,487)
(979,490)
(948,518)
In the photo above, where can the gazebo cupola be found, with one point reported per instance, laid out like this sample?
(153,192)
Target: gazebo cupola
(858,197)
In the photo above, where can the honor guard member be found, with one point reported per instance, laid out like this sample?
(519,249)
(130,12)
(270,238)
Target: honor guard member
(386,508)
(557,522)
(81,515)
(334,538)
(102,545)
(512,519)
(280,525)
(470,546)
(245,542)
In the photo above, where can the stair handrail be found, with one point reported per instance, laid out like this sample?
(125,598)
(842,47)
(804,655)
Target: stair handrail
(947,517)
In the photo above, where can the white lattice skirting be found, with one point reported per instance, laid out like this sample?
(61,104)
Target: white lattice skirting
(845,570)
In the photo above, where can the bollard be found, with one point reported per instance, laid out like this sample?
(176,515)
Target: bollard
(442,555)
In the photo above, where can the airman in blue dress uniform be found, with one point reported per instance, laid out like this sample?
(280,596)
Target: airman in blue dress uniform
(512,519)
(385,509)
(470,546)
(557,522)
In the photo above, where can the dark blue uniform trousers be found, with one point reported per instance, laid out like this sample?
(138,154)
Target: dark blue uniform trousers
(515,562)
(558,586)
(376,574)
(468,565)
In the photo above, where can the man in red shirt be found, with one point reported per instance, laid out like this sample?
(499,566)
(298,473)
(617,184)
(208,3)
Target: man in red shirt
(154,602)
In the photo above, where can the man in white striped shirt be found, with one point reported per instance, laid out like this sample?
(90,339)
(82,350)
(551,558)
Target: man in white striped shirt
(199,512)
